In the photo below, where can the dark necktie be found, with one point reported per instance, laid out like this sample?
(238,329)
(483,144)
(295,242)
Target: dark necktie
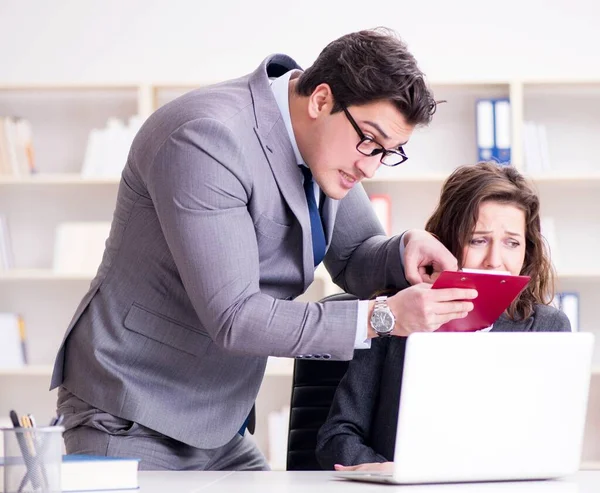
(316,225)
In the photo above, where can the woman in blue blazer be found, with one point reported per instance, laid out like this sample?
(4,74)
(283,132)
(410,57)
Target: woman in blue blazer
(488,217)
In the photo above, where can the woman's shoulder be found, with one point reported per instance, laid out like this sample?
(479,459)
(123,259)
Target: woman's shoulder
(550,319)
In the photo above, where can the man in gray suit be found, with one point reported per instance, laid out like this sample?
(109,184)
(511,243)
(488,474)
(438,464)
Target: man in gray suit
(230,197)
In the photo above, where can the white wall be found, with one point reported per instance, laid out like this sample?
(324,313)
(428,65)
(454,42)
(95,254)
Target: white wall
(178,40)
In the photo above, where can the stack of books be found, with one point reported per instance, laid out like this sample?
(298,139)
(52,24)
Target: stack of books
(16,147)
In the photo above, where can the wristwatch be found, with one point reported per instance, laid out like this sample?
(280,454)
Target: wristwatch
(382,318)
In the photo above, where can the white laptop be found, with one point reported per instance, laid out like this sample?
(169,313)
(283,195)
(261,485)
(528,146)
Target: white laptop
(490,407)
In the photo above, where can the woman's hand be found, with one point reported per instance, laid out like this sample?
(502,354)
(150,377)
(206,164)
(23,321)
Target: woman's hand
(371,466)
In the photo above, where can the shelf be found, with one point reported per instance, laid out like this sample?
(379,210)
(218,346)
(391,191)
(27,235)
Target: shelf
(41,275)
(409,178)
(578,274)
(563,177)
(434,178)
(27,371)
(552,177)
(70,86)
(168,84)
(56,179)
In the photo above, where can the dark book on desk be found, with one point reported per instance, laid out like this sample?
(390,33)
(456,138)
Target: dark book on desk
(92,473)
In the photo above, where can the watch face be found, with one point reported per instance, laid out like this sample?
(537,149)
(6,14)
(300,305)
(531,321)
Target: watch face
(382,321)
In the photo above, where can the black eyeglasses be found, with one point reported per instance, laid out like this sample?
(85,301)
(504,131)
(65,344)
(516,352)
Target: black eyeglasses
(370,147)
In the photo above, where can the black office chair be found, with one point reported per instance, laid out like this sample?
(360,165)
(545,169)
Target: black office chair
(314,384)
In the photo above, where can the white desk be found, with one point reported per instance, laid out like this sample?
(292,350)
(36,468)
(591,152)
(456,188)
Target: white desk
(314,482)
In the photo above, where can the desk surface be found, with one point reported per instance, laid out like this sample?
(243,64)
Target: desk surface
(301,482)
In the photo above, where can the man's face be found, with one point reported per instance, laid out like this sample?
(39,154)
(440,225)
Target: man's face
(330,144)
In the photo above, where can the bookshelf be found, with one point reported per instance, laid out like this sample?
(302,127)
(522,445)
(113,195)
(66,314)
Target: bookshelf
(62,116)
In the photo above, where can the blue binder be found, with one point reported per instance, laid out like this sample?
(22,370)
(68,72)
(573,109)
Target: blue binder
(493,130)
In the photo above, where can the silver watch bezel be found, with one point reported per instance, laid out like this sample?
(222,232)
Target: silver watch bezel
(382,306)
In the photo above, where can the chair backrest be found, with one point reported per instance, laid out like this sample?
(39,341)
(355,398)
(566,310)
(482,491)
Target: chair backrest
(314,384)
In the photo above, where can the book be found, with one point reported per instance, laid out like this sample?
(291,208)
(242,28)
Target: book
(92,473)
(6,253)
(16,146)
(12,341)
(496,291)
(107,148)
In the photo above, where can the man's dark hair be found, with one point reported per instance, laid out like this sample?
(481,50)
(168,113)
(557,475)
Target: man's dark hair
(368,66)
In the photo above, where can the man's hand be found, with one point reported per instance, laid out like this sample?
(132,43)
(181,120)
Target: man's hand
(423,252)
(372,466)
(422,309)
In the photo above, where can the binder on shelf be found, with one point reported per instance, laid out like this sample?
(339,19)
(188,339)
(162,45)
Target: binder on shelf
(493,130)
(485,129)
(502,130)
(382,205)
(568,303)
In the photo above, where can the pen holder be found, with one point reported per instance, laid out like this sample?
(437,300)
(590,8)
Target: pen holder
(32,459)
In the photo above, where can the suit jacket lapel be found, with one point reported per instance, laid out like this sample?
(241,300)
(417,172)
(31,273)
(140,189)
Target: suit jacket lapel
(274,139)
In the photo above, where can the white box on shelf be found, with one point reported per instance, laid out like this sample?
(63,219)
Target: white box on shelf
(79,247)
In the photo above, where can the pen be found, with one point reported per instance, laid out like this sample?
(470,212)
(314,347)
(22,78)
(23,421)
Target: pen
(28,459)
(57,420)
(24,452)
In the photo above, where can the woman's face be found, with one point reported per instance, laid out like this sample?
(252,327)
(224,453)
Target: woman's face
(498,241)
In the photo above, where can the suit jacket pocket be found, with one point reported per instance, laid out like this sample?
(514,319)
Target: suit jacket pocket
(165,330)
(270,228)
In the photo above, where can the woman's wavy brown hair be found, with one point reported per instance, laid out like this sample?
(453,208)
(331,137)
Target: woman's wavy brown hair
(455,219)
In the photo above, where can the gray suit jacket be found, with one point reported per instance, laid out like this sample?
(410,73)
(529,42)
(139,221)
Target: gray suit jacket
(361,426)
(210,242)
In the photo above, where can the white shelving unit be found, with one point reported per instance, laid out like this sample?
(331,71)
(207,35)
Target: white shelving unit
(63,115)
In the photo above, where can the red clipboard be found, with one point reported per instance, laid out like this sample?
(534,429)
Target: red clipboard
(495,294)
